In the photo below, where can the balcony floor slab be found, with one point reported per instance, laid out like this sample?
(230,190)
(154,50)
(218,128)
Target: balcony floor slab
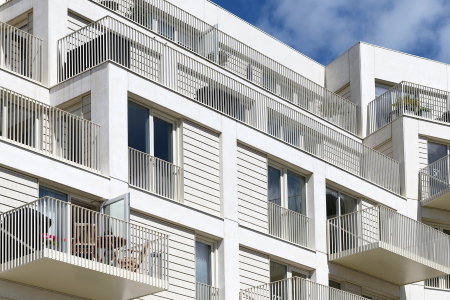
(79,281)
(441,201)
(388,266)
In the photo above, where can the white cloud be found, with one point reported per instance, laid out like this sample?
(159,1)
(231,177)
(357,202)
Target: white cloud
(323,29)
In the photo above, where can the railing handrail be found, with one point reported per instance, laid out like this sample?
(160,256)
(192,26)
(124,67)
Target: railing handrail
(18,29)
(289,210)
(424,169)
(306,281)
(219,32)
(47,106)
(255,113)
(154,157)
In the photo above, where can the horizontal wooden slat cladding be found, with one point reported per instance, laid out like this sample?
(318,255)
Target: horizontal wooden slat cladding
(423,152)
(16,189)
(254,268)
(181,257)
(201,164)
(386,148)
(252,188)
(75,22)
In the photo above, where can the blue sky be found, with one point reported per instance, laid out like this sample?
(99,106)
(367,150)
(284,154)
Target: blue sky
(323,29)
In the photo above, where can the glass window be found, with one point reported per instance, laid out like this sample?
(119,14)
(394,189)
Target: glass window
(332,198)
(274,181)
(334,284)
(162,139)
(299,274)
(381,89)
(138,127)
(277,271)
(165,29)
(296,193)
(203,266)
(436,151)
(46,192)
(348,204)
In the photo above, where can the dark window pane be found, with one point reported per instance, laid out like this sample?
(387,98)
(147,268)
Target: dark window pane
(296,193)
(203,272)
(298,274)
(46,192)
(332,202)
(274,186)
(138,127)
(334,284)
(162,131)
(277,271)
(348,204)
(436,151)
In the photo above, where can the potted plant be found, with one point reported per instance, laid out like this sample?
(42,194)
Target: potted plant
(410,106)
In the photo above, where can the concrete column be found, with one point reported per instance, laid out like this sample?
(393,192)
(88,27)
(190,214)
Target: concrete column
(317,210)
(50,25)
(109,95)
(362,81)
(229,247)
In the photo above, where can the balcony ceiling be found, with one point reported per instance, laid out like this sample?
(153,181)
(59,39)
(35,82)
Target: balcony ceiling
(78,281)
(388,266)
(440,202)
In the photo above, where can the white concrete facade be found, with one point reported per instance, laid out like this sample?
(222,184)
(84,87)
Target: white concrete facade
(215,188)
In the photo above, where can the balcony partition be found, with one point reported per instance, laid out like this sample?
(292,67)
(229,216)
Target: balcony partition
(296,288)
(193,34)
(288,225)
(155,175)
(206,292)
(60,246)
(111,40)
(435,184)
(383,243)
(409,99)
(20,52)
(48,130)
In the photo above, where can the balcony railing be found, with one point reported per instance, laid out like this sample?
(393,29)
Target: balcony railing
(111,40)
(409,99)
(296,288)
(95,244)
(384,229)
(441,282)
(20,52)
(206,292)
(48,130)
(288,225)
(171,22)
(155,175)
(435,184)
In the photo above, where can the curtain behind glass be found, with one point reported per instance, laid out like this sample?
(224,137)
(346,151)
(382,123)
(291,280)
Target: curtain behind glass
(332,202)
(203,272)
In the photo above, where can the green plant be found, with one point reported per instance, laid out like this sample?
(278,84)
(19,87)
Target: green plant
(409,103)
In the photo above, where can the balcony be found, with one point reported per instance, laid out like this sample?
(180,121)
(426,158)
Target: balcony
(155,175)
(20,52)
(62,247)
(435,184)
(296,288)
(109,40)
(441,282)
(206,292)
(383,243)
(195,35)
(408,99)
(288,225)
(48,130)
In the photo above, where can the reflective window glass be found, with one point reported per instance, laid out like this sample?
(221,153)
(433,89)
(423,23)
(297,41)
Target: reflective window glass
(203,271)
(138,127)
(162,139)
(274,185)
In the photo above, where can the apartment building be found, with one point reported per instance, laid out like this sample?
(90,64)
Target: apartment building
(154,149)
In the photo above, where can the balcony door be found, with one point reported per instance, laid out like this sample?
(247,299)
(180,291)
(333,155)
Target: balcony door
(205,270)
(343,232)
(287,192)
(439,172)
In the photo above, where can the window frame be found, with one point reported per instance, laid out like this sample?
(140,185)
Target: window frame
(339,192)
(214,260)
(284,184)
(175,122)
(290,269)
